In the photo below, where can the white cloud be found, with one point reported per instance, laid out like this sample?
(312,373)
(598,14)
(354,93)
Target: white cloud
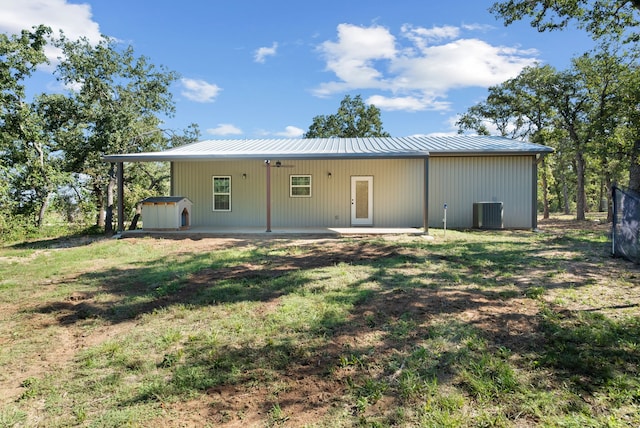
(56,86)
(199,91)
(75,20)
(436,134)
(262,53)
(422,37)
(291,132)
(225,129)
(416,71)
(353,56)
(406,103)
(461,63)
(478,27)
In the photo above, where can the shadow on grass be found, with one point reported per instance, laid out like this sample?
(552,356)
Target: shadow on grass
(203,279)
(78,238)
(466,296)
(593,351)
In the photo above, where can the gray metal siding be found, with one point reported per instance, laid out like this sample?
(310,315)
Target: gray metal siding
(398,192)
(461,181)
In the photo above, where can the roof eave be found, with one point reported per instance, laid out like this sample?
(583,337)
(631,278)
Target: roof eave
(168,157)
(489,153)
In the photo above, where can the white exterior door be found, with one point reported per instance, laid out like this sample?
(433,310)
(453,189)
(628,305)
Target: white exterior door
(362,201)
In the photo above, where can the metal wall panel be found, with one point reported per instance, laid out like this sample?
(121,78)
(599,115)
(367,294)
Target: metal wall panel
(398,192)
(247,198)
(461,181)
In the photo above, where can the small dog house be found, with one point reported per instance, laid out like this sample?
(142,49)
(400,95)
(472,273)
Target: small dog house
(166,213)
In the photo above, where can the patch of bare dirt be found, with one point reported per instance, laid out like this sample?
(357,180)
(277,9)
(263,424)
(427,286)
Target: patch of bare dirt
(60,345)
(314,387)
(307,392)
(560,224)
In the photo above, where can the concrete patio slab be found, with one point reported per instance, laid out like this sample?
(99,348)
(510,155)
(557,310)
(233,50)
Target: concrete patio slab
(275,232)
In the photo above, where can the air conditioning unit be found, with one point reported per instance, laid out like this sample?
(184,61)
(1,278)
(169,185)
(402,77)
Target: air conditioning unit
(487,215)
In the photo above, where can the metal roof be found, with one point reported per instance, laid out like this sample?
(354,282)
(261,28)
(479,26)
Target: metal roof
(338,148)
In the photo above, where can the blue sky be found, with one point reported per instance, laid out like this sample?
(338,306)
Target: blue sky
(264,69)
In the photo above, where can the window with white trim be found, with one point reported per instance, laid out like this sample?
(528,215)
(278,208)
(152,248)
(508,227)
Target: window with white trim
(300,186)
(222,193)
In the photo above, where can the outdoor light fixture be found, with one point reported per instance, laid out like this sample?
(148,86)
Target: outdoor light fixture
(278,164)
(244,176)
(329,174)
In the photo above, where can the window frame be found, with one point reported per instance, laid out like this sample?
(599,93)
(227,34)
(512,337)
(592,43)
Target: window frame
(298,186)
(214,193)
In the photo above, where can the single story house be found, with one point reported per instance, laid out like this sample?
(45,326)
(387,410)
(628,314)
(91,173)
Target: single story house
(351,182)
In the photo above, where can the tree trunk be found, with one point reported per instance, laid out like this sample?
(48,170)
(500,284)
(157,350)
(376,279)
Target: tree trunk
(101,216)
(42,211)
(608,189)
(545,190)
(565,195)
(136,217)
(557,192)
(581,199)
(108,220)
(634,167)
(44,196)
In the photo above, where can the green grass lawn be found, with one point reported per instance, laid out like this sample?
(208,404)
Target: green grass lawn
(471,329)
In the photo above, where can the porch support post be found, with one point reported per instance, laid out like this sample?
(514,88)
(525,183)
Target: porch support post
(534,194)
(425,207)
(120,176)
(267,164)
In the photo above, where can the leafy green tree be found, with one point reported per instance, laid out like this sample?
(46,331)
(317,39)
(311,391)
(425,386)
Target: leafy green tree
(353,119)
(118,97)
(35,160)
(20,55)
(590,101)
(578,111)
(602,19)
(499,112)
(145,179)
(516,109)
(153,177)
(610,76)
(513,108)
(628,135)
(535,116)
(570,102)
(598,17)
